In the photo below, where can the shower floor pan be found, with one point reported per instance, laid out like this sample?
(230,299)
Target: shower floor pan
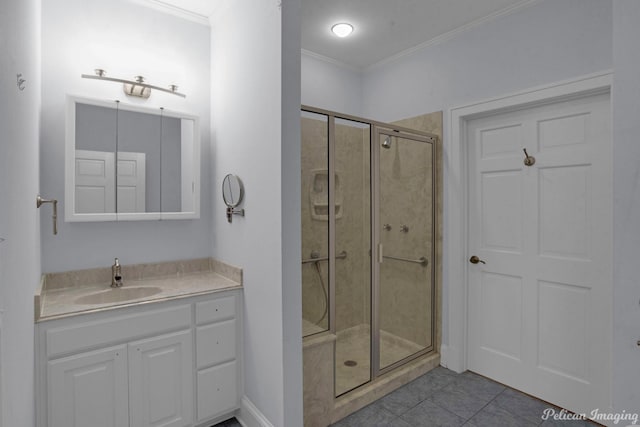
(353,365)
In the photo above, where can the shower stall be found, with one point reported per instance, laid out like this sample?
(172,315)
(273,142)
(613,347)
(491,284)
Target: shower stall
(368,243)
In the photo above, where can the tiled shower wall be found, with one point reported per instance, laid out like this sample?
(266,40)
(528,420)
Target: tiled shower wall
(352,225)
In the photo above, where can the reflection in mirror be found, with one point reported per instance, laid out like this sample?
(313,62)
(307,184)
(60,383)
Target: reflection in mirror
(126,162)
(96,133)
(139,162)
(232,191)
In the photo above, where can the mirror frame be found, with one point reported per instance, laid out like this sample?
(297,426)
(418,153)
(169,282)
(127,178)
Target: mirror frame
(227,179)
(70,148)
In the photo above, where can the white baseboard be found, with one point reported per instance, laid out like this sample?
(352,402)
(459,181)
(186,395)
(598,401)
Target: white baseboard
(449,359)
(444,355)
(250,416)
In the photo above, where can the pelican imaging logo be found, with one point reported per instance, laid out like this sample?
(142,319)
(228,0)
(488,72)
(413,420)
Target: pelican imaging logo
(629,418)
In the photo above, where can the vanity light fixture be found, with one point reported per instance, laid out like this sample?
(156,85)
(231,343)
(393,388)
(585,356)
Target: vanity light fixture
(137,87)
(342,29)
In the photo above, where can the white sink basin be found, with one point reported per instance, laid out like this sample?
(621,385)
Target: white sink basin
(117,295)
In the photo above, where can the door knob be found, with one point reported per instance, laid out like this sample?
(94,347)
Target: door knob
(474,260)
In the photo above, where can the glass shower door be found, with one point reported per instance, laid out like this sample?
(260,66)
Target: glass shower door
(352,202)
(405,229)
(314,160)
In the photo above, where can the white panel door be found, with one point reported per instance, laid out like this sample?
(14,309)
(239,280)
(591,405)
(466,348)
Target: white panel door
(95,182)
(161,381)
(540,308)
(131,182)
(89,389)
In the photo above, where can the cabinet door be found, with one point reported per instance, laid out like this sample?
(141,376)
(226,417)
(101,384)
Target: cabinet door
(161,381)
(89,389)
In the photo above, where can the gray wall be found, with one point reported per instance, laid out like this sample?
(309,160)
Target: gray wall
(549,41)
(330,85)
(126,39)
(96,128)
(626,205)
(256,111)
(19,218)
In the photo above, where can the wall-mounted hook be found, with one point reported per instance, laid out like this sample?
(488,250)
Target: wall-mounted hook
(20,82)
(404,228)
(387,227)
(528,160)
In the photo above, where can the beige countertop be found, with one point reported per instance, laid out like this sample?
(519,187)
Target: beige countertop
(63,294)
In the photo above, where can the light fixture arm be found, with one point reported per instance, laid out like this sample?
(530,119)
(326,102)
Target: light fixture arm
(139,82)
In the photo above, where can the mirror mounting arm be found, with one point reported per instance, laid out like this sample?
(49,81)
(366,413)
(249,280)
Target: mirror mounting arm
(233,211)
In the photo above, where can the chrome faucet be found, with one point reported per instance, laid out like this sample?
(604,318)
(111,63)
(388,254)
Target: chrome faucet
(116,274)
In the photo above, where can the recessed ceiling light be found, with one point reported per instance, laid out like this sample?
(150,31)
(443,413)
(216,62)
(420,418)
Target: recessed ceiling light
(342,29)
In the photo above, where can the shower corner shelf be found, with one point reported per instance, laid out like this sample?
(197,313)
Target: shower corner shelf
(320,211)
(319,195)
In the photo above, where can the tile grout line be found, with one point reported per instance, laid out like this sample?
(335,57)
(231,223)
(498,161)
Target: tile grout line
(481,409)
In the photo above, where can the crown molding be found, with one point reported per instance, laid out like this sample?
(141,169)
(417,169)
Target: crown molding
(174,10)
(330,60)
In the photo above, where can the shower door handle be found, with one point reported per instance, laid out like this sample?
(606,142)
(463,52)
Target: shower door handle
(380,256)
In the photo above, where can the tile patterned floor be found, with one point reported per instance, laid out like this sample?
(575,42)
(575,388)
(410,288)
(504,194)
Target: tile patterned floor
(229,423)
(442,398)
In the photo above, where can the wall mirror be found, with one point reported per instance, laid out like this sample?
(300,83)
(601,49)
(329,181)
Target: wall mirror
(126,162)
(232,191)
(232,194)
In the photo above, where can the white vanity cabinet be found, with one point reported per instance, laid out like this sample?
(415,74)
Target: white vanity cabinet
(89,389)
(171,364)
(161,381)
(216,357)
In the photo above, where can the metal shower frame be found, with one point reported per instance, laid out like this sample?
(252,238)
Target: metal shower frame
(376,129)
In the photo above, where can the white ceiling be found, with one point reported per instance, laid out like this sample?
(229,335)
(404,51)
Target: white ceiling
(383,28)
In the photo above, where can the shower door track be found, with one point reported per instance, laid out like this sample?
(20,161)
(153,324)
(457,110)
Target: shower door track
(429,137)
(376,128)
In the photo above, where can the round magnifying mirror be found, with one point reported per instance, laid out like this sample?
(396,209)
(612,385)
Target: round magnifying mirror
(232,190)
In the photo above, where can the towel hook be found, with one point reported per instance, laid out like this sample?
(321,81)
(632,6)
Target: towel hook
(528,160)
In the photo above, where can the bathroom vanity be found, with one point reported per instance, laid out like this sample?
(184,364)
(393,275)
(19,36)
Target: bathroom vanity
(168,356)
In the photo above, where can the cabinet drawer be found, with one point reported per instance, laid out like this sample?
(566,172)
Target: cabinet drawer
(216,343)
(217,390)
(216,310)
(90,334)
